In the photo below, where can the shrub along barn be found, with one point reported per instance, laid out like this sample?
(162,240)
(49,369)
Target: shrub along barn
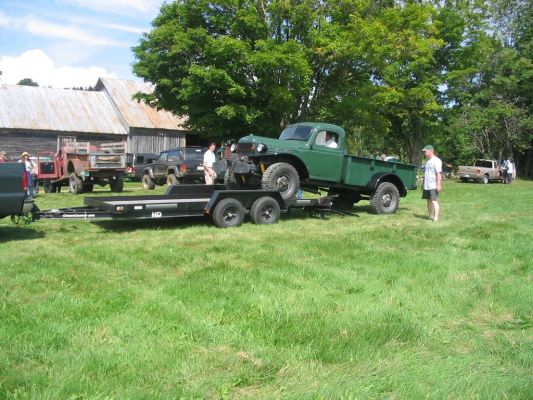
(35,119)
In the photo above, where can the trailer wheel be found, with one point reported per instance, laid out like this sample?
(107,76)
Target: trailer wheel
(228,213)
(75,184)
(88,188)
(116,185)
(282,177)
(148,183)
(265,210)
(172,180)
(385,199)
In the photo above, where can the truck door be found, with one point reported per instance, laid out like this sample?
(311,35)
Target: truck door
(325,160)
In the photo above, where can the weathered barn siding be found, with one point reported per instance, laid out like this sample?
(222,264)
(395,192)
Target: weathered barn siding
(14,142)
(153,141)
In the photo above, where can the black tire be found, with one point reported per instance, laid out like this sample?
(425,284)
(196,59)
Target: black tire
(116,185)
(345,200)
(484,179)
(265,210)
(464,180)
(228,213)
(385,199)
(148,183)
(48,186)
(172,180)
(282,177)
(75,184)
(233,181)
(88,188)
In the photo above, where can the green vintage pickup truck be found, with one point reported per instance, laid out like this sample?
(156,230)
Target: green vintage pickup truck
(12,194)
(312,157)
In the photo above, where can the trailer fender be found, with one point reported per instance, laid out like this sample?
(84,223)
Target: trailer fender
(380,177)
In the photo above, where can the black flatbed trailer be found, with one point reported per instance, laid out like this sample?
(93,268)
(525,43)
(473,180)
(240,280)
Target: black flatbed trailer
(226,207)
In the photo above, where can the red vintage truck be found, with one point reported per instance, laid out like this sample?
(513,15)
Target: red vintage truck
(81,165)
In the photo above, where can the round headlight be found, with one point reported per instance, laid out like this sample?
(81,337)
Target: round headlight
(261,147)
(233,147)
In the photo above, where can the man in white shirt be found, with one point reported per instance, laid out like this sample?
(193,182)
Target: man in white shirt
(209,159)
(432,182)
(330,141)
(510,170)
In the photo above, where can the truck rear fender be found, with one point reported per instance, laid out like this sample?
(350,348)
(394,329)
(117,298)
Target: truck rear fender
(289,159)
(381,177)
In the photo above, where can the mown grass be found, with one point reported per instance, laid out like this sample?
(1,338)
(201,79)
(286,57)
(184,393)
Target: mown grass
(364,307)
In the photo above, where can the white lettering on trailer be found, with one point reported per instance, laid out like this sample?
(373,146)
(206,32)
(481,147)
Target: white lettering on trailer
(157,214)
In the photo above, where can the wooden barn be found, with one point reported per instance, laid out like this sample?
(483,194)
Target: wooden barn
(37,119)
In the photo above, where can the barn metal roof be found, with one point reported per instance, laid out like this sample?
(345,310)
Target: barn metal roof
(138,114)
(28,107)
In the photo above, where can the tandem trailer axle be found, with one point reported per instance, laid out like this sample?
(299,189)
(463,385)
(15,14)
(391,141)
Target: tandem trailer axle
(227,208)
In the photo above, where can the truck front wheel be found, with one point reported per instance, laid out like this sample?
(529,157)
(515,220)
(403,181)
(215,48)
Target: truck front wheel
(385,199)
(281,177)
(172,180)
(148,183)
(75,184)
(228,213)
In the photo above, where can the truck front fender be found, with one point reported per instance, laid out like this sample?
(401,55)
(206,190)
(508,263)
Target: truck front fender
(291,159)
(381,177)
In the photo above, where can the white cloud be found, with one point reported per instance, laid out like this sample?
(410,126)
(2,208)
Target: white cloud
(119,6)
(4,19)
(38,66)
(43,28)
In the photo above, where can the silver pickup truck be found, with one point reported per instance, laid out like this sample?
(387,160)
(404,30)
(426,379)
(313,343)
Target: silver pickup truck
(482,171)
(12,193)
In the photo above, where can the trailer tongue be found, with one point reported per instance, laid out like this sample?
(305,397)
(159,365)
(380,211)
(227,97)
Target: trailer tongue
(227,208)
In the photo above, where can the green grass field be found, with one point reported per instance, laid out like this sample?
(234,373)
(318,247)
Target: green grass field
(350,307)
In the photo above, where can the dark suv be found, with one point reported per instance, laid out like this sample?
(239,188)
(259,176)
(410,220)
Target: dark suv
(175,166)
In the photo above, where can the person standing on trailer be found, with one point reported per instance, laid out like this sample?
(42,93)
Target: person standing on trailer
(209,159)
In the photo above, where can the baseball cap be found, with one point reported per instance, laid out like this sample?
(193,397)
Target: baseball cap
(428,147)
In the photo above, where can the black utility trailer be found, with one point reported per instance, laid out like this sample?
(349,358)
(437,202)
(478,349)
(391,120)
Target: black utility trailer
(226,207)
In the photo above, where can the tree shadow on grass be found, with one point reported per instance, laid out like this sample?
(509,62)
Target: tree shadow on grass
(13,233)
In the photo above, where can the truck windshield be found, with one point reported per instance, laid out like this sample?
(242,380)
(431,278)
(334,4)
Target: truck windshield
(193,154)
(296,133)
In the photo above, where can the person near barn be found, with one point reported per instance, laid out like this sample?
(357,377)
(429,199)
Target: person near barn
(29,168)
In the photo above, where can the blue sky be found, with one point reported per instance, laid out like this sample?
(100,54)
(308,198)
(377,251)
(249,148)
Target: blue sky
(66,43)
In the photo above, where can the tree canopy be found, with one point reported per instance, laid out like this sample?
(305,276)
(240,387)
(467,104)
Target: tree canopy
(395,74)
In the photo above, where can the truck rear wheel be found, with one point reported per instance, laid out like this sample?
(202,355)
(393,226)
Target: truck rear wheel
(49,187)
(148,183)
(116,185)
(75,184)
(282,177)
(385,199)
(228,213)
(484,179)
(265,210)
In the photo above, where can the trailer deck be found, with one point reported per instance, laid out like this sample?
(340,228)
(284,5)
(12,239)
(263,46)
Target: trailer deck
(226,207)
